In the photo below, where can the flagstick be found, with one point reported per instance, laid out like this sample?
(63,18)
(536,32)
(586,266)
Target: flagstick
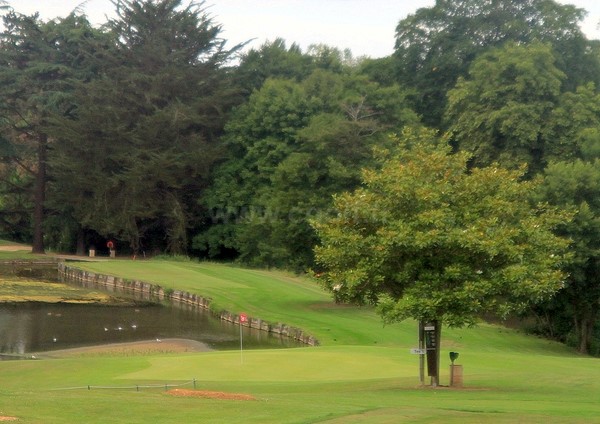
(241,344)
(242,318)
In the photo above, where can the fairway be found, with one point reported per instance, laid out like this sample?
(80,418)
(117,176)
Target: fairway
(363,372)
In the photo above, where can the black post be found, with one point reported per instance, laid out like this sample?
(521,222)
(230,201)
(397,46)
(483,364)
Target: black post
(432,331)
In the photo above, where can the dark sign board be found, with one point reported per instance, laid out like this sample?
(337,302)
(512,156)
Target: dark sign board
(430,334)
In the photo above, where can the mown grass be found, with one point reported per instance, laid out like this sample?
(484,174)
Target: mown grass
(362,373)
(352,384)
(19,254)
(13,244)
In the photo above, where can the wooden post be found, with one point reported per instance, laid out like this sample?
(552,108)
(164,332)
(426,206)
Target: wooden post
(456,375)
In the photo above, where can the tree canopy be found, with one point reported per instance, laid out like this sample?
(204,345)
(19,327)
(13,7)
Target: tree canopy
(293,145)
(426,238)
(575,185)
(499,113)
(148,123)
(39,63)
(436,45)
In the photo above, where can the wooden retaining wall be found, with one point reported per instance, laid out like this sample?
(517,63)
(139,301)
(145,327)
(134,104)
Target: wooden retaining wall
(152,291)
(44,268)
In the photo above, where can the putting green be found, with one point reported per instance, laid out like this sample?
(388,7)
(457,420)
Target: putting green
(352,363)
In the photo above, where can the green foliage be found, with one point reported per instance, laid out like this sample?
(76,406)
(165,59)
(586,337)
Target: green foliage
(571,129)
(38,63)
(292,146)
(137,150)
(15,204)
(173,258)
(436,45)
(429,240)
(273,60)
(499,113)
(575,185)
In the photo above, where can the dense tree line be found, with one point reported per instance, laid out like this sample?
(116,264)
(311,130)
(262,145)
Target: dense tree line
(151,130)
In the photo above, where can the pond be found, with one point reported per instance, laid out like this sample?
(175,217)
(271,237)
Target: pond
(35,326)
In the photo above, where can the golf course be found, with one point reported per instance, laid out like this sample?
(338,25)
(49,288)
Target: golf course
(362,371)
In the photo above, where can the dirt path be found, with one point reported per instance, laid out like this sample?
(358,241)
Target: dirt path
(14,247)
(210,394)
(146,347)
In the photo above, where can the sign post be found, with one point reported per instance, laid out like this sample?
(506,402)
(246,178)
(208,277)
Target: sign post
(431,334)
(422,356)
(243,318)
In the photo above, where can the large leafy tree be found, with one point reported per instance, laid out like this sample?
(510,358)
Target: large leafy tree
(436,45)
(511,110)
(140,144)
(570,124)
(38,63)
(429,239)
(573,315)
(293,145)
(259,136)
(273,59)
(500,112)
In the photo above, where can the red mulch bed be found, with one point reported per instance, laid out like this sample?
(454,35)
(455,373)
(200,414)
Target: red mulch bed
(210,394)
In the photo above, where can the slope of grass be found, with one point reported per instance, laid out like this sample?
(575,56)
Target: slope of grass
(296,301)
(363,372)
(10,255)
(12,244)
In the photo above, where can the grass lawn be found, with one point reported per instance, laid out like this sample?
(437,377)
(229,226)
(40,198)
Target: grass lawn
(14,245)
(362,373)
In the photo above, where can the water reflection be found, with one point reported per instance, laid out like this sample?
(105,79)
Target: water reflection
(37,327)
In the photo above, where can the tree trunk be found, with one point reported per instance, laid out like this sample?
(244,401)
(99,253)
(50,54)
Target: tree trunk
(585,333)
(80,249)
(585,320)
(40,196)
(582,335)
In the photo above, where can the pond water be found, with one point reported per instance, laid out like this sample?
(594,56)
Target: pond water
(37,327)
